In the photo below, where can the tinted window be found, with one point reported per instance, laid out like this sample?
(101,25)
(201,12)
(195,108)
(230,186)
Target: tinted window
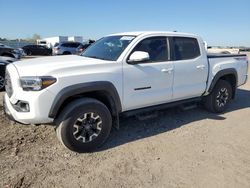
(186,48)
(43,42)
(65,44)
(75,45)
(42,47)
(71,45)
(156,47)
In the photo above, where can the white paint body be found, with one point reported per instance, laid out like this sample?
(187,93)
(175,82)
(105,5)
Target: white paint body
(170,81)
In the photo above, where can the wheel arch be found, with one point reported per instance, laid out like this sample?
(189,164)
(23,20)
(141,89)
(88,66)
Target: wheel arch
(103,91)
(229,75)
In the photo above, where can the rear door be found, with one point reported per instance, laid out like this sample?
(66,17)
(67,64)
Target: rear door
(190,68)
(148,83)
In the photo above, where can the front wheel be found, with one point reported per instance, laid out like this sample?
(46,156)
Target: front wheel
(84,125)
(217,101)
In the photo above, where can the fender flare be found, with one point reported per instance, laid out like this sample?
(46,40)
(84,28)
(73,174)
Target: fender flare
(220,74)
(104,86)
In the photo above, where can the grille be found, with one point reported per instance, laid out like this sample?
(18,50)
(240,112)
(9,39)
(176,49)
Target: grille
(8,85)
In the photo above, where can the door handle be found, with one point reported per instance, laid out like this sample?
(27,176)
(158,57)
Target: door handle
(200,66)
(169,71)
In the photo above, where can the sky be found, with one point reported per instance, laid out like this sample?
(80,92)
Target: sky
(219,22)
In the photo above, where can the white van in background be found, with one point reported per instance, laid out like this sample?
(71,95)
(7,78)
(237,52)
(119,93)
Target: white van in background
(51,41)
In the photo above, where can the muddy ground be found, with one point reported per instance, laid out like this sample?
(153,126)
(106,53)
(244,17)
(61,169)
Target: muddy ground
(191,148)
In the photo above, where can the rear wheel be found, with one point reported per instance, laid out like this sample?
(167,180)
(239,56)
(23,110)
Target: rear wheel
(84,125)
(217,101)
(28,52)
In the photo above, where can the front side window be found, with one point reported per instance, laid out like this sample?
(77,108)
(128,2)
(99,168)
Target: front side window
(108,48)
(186,48)
(156,47)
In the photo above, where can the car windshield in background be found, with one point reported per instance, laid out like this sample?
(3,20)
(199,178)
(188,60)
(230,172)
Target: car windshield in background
(108,48)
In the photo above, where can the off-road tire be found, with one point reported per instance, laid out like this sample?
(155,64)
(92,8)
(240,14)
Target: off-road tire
(217,101)
(74,113)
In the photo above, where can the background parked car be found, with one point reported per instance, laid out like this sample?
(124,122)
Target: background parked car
(2,74)
(67,48)
(37,50)
(20,52)
(7,51)
(4,61)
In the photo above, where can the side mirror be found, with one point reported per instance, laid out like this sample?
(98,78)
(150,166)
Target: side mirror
(138,56)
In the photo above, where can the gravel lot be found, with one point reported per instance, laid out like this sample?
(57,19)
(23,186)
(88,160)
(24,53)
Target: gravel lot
(191,148)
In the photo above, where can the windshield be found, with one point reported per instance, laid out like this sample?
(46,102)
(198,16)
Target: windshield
(108,48)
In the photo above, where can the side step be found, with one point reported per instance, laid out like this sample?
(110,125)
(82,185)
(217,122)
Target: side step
(161,107)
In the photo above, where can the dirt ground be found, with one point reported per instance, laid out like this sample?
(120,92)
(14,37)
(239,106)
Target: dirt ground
(191,148)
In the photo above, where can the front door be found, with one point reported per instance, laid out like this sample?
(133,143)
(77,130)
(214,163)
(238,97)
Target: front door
(149,83)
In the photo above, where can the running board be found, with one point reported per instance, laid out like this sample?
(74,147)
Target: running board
(160,107)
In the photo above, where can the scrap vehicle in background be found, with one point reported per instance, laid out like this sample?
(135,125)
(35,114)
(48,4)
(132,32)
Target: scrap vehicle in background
(4,61)
(7,51)
(68,48)
(244,49)
(37,50)
(223,50)
(51,41)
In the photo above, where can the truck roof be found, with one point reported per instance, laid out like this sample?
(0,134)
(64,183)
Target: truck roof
(170,33)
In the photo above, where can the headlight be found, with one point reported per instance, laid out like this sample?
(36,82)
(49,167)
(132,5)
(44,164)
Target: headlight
(31,83)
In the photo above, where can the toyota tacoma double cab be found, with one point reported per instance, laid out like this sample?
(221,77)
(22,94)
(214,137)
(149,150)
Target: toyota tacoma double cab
(119,75)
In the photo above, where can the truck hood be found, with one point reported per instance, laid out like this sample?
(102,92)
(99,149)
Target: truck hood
(49,65)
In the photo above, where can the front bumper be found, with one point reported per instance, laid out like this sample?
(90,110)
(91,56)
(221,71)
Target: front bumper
(37,115)
(7,112)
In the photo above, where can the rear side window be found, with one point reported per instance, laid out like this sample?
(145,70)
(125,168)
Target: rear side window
(75,45)
(156,47)
(68,45)
(186,48)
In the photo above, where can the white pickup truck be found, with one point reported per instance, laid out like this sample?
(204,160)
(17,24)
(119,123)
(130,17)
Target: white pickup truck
(120,74)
